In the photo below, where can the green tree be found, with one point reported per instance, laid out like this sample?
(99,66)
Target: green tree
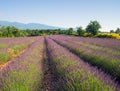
(0,34)
(117,30)
(70,31)
(80,31)
(111,31)
(93,27)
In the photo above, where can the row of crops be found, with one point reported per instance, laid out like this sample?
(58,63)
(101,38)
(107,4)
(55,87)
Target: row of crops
(12,48)
(105,54)
(24,73)
(59,63)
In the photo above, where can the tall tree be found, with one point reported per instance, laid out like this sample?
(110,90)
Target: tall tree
(93,27)
(80,31)
(70,31)
(117,30)
(111,31)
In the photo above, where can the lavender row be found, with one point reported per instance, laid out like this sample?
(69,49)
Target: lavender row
(103,42)
(103,50)
(74,74)
(25,72)
(89,46)
(106,63)
(11,48)
(112,54)
(9,42)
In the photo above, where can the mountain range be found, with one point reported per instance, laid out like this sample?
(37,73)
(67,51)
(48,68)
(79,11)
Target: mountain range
(28,26)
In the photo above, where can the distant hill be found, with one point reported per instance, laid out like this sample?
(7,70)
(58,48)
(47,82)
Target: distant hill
(28,26)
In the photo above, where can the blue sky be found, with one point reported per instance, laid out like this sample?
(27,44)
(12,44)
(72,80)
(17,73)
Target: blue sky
(62,13)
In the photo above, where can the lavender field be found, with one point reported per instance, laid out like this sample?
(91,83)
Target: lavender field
(59,63)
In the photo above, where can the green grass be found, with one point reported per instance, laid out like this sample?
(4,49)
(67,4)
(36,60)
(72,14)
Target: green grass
(8,55)
(4,57)
(3,46)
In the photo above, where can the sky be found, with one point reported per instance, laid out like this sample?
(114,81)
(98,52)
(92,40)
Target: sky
(62,13)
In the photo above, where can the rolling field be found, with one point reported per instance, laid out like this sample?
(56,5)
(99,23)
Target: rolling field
(59,63)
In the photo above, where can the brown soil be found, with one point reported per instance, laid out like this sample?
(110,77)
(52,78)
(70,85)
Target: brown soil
(46,72)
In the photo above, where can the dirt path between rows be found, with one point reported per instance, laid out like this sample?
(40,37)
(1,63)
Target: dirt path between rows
(49,78)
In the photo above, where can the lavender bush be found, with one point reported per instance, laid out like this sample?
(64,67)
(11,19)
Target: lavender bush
(58,65)
(25,72)
(13,47)
(106,62)
(74,74)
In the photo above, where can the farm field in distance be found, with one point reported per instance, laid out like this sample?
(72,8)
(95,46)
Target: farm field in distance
(59,63)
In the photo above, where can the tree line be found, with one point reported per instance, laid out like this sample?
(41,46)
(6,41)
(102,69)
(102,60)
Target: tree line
(92,29)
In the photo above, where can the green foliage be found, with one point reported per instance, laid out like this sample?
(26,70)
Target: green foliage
(3,46)
(93,27)
(117,30)
(108,35)
(14,32)
(80,31)
(4,57)
(70,31)
(12,52)
(111,31)
(11,32)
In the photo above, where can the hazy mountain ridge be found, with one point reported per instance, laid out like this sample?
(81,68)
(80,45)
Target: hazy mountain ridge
(28,26)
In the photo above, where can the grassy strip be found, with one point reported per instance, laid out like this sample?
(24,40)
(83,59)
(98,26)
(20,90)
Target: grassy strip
(107,64)
(74,75)
(24,73)
(13,52)
(3,46)
(4,57)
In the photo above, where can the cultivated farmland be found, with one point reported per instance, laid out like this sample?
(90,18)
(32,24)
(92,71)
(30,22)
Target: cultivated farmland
(59,63)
